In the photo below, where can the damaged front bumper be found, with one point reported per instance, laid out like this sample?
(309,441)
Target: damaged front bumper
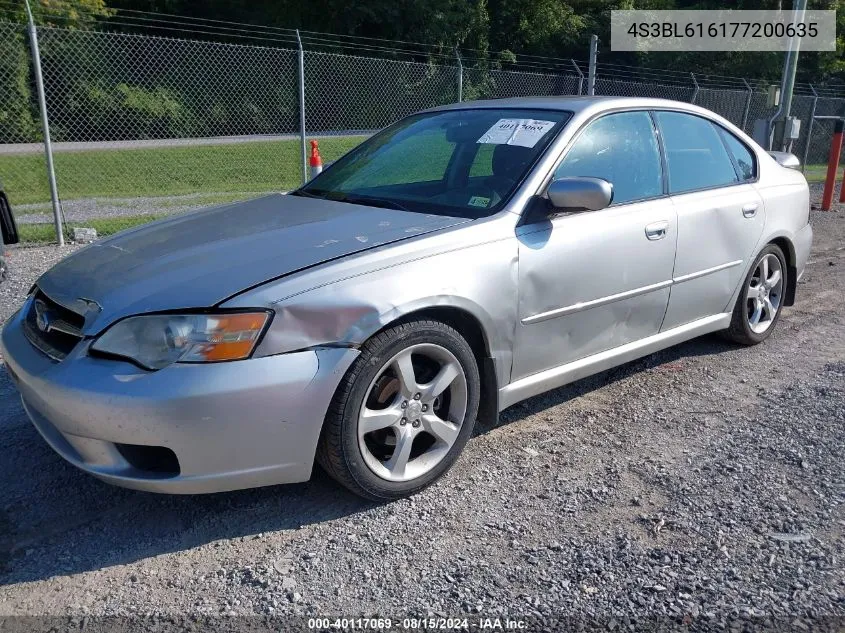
(194,428)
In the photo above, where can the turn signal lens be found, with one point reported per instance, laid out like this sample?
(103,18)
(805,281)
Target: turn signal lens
(232,337)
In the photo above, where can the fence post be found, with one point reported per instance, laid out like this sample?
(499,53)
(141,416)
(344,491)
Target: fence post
(694,92)
(460,75)
(594,50)
(747,104)
(301,55)
(810,128)
(45,126)
(580,77)
(832,164)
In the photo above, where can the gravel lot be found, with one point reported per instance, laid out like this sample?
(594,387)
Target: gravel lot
(698,488)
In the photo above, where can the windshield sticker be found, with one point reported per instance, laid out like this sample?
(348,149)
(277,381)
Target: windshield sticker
(479,201)
(522,132)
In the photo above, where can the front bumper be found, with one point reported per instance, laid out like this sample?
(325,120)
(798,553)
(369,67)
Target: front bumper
(230,425)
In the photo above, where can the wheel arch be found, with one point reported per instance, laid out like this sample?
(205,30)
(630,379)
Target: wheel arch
(788,248)
(470,327)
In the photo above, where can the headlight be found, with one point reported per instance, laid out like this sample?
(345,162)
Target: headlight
(155,341)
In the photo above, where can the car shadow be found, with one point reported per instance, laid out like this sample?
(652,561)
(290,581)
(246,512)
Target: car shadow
(56,520)
(706,345)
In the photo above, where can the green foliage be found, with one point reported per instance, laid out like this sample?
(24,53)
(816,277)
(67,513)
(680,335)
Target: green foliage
(67,14)
(556,28)
(109,87)
(127,110)
(17,121)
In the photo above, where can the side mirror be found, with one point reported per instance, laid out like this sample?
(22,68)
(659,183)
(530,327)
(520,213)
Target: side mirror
(785,159)
(579,193)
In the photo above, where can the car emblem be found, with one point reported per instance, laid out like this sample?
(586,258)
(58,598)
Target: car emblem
(42,316)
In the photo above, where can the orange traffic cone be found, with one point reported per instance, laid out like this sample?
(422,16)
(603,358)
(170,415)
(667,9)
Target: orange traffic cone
(316,161)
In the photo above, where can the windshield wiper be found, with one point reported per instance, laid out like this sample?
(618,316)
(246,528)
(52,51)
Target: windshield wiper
(304,194)
(369,201)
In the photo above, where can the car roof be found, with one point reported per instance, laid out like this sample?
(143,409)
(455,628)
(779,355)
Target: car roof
(573,104)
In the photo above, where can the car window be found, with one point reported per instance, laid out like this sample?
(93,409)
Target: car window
(464,162)
(695,155)
(622,149)
(742,155)
(391,167)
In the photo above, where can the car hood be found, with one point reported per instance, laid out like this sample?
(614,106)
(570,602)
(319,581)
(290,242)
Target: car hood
(200,259)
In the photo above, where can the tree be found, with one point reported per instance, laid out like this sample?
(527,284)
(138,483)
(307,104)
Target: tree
(61,13)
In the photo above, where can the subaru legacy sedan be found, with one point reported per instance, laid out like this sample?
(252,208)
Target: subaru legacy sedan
(462,260)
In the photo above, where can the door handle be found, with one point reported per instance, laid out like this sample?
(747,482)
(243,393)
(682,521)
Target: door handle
(750,210)
(657,230)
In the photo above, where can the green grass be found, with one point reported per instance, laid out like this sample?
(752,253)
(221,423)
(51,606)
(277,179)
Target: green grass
(815,173)
(128,173)
(30,233)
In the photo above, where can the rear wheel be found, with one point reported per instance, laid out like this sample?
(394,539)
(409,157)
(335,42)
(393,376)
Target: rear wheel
(403,412)
(759,305)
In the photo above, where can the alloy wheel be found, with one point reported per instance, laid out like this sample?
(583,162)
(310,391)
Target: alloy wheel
(764,293)
(412,412)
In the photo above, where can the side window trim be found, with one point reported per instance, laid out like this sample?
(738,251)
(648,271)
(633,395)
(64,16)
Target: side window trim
(664,177)
(664,165)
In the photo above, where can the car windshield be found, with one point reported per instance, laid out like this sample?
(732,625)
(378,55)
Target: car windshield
(464,163)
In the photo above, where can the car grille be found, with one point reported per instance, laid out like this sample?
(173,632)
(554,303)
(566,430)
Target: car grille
(58,330)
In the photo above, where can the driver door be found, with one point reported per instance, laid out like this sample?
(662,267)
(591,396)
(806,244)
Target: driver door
(594,280)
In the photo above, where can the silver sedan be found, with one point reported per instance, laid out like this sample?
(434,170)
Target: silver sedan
(463,259)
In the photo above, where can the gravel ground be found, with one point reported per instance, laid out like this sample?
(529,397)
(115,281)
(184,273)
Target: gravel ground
(699,488)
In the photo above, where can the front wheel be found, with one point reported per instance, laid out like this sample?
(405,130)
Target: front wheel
(758,306)
(403,412)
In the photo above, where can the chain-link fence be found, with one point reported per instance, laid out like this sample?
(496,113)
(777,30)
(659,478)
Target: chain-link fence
(22,161)
(144,126)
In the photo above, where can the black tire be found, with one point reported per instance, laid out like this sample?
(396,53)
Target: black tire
(740,331)
(338,451)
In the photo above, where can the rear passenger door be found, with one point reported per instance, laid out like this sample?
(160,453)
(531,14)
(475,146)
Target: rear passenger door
(720,214)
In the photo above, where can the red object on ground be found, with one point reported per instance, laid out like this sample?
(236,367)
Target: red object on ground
(842,186)
(316,161)
(833,165)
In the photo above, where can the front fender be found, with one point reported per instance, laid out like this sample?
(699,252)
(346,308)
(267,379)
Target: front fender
(480,280)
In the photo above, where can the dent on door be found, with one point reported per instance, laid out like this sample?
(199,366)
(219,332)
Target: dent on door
(592,281)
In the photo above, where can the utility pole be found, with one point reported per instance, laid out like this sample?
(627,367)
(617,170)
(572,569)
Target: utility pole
(591,78)
(45,126)
(784,131)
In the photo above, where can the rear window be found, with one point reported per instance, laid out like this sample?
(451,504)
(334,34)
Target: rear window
(695,154)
